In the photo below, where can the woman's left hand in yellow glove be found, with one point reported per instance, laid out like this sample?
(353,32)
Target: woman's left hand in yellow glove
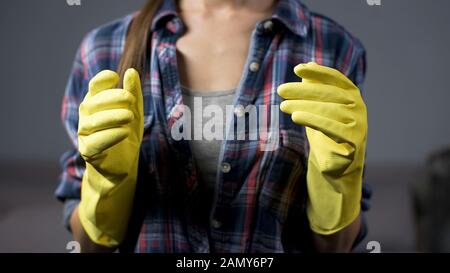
(331,108)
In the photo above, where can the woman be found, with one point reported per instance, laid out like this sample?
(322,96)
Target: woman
(147,189)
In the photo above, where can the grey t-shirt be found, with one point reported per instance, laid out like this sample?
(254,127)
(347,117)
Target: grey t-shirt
(206,152)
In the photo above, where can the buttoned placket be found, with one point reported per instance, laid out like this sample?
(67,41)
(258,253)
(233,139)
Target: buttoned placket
(260,41)
(167,56)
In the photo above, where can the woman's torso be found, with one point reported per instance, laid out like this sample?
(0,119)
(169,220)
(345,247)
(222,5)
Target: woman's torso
(260,188)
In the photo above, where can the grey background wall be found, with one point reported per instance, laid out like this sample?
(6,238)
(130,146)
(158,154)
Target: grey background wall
(406,93)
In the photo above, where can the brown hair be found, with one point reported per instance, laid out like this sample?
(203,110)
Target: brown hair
(138,40)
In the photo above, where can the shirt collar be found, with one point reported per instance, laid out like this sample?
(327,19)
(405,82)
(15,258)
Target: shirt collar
(167,10)
(291,13)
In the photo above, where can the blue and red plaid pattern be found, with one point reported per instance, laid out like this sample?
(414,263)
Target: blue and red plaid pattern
(259,204)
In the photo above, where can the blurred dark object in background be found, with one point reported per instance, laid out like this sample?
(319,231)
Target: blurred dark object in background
(431,204)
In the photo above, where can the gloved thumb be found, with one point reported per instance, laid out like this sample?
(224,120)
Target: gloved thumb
(132,82)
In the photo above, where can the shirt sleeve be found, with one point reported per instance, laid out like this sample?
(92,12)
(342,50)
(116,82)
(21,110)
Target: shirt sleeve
(356,73)
(72,164)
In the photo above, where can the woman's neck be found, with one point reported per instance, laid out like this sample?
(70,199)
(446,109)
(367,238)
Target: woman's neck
(226,6)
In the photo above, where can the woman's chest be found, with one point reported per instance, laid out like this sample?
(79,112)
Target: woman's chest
(213,58)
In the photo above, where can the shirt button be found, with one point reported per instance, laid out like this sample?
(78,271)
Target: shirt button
(268,26)
(201,250)
(239,111)
(304,30)
(226,167)
(216,224)
(254,67)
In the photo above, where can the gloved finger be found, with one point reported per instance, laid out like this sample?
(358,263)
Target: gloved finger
(105,120)
(314,91)
(326,75)
(333,111)
(335,130)
(98,142)
(113,99)
(104,80)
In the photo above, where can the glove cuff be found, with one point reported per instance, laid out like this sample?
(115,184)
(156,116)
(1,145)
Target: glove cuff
(333,203)
(104,215)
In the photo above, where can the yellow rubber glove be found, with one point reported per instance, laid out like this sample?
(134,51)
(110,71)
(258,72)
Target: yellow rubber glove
(110,132)
(331,108)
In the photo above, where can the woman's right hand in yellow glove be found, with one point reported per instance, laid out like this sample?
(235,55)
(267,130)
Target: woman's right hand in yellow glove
(110,121)
(110,132)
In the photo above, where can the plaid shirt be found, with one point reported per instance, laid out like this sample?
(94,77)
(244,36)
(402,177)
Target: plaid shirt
(259,204)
